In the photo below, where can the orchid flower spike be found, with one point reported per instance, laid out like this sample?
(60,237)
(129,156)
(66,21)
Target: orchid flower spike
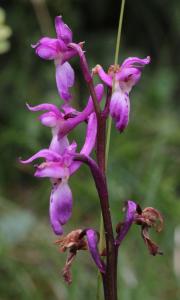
(122,79)
(57,49)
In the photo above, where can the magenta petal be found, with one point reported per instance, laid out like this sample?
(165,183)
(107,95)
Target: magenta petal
(119,109)
(128,74)
(48,48)
(71,149)
(59,145)
(49,119)
(68,109)
(52,169)
(45,106)
(104,76)
(68,154)
(99,89)
(67,55)
(71,123)
(127,78)
(64,79)
(90,135)
(45,153)
(92,239)
(60,206)
(62,30)
(90,141)
(135,61)
(129,218)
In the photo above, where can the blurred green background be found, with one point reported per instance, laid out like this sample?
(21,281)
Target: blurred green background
(143,161)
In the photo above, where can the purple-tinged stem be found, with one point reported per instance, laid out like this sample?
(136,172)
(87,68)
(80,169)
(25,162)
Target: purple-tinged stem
(98,172)
(87,76)
(109,278)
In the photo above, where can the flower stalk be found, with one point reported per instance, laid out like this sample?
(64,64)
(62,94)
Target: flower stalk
(61,159)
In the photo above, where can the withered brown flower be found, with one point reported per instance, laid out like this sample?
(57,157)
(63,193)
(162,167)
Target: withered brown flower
(149,218)
(73,242)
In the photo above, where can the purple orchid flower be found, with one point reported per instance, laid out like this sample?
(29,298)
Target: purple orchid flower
(122,79)
(58,121)
(58,167)
(54,118)
(122,230)
(57,49)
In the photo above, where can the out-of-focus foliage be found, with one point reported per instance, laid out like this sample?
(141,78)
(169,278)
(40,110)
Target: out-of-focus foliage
(5,33)
(143,162)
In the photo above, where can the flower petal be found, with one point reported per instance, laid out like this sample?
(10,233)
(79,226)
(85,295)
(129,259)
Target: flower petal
(44,153)
(130,72)
(45,106)
(71,123)
(58,144)
(52,169)
(90,135)
(60,206)
(49,119)
(135,61)
(48,48)
(152,247)
(107,79)
(68,109)
(127,78)
(68,54)
(89,141)
(119,109)
(71,149)
(131,207)
(93,239)
(99,89)
(64,80)
(62,30)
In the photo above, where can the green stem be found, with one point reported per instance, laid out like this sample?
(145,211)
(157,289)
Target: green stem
(109,125)
(115,62)
(119,32)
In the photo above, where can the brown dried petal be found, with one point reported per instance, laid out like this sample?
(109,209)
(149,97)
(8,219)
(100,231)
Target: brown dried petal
(150,217)
(72,241)
(153,248)
(154,217)
(67,268)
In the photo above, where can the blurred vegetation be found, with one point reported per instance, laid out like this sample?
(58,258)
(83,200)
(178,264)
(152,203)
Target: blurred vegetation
(143,161)
(5,33)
